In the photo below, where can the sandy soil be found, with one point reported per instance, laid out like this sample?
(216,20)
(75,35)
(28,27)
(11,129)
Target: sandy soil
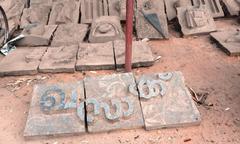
(206,69)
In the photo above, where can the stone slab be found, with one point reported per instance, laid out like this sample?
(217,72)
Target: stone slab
(166,101)
(143,27)
(41,3)
(59,59)
(95,57)
(53,110)
(233,6)
(112,91)
(213,6)
(194,20)
(22,61)
(117,8)
(69,34)
(228,41)
(34,16)
(37,36)
(92,9)
(141,54)
(64,12)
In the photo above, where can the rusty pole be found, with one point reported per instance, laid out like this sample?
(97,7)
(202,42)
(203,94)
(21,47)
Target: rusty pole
(128,36)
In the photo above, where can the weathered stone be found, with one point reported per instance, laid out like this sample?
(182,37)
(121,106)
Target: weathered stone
(59,59)
(22,61)
(117,8)
(213,6)
(37,36)
(115,107)
(143,27)
(34,16)
(41,3)
(106,28)
(233,6)
(141,54)
(53,110)
(169,103)
(195,20)
(64,12)
(92,9)
(95,57)
(228,40)
(69,34)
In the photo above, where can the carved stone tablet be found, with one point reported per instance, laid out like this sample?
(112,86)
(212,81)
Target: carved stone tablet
(95,56)
(92,9)
(228,40)
(106,28)
(142,54)
(233,6)
(195,20)
(154,10)
(37,36)
(59,59)
(166,101)
(69,34)
(22,61)
(53,110)
(111,106)
(64,12)
(117,8)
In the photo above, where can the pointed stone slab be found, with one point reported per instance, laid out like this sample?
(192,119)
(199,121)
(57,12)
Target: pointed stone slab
(166,101)
(112,87)
(228,41)
(142,54)
(69,34)
(95,56)
(22,61)
(53,110)
(59,59)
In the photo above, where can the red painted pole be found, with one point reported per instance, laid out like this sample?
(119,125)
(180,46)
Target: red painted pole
(128,36)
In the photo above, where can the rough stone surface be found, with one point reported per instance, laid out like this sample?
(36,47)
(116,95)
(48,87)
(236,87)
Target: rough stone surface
(22,61)
(213,6)
(141,52)
(107,88)
(41,3)
(233,6)
(92,9)
(172,106)
(59,59)
(95,56)
(195,20)
(58,118)
(64,12)
(35,15)
(69,34)
(106,28)
(143,27)
(228,40)
(37,36)
(117,8)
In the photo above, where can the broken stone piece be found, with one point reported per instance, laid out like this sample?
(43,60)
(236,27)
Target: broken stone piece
(95,57)
(171,104)
(22,61)
(106,28)
(92,9)
(117,8)
(53,110)
(142,54)
(233,7)
(35,16)
(69,34)
(195,20)
(151,21)
(37,36)
(116,107)
(59,59)
(228,40)
(64,12)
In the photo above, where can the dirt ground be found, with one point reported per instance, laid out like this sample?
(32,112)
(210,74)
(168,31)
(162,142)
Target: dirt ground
(206,68)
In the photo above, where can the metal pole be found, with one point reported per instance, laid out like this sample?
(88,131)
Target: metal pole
(128,36)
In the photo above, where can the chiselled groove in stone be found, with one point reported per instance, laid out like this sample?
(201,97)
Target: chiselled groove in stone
(130,104)
(73,101)
(118,113)
(165,76)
